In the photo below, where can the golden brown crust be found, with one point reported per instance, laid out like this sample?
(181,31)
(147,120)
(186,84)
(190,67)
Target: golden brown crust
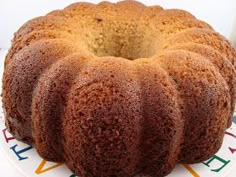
(51,90)
(205,37)
(223,66)
(206,106)
(104,108)
(20,79)
(162,123)
(119,83)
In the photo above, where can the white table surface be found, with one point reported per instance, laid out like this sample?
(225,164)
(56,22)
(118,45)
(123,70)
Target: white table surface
(13,13)
(6,169)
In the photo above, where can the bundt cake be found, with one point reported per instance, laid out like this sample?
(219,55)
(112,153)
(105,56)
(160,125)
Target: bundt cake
(119,89)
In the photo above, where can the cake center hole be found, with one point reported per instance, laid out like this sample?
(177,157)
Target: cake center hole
(128,41)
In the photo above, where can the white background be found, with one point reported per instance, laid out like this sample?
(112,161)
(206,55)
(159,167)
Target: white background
(13,13)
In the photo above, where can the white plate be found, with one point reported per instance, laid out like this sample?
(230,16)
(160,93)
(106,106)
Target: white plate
(28,162)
